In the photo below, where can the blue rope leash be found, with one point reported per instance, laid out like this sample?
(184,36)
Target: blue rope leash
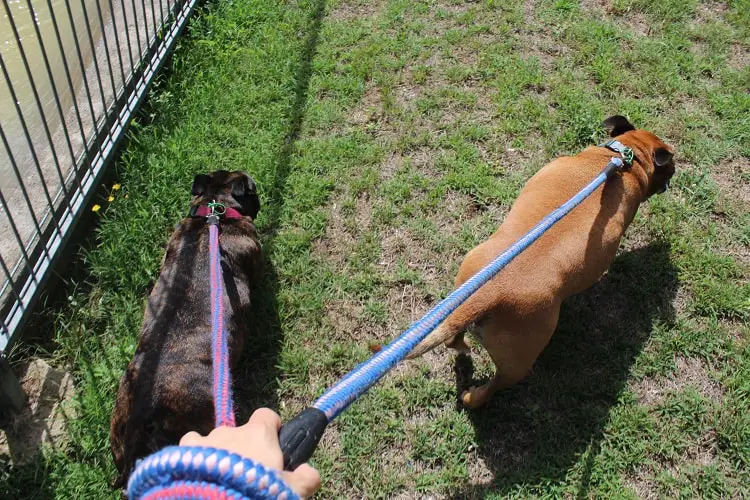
(300,436)
(201,472)
(189,472)
(364,376)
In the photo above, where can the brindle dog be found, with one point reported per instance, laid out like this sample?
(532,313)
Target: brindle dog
(167,388)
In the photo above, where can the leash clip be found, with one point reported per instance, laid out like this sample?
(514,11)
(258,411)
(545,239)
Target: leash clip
(627,156)
(217,210)
(625,152)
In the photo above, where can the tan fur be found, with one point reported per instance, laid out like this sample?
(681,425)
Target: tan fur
(516,313)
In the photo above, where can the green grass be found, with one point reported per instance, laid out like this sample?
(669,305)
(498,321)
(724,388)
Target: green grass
(388,138)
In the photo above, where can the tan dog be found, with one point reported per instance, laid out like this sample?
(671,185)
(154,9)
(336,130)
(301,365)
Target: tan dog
(516,313)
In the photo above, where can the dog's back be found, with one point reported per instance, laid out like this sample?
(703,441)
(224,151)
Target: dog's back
(573,254)
(169,377)
(167,388)
(581,245)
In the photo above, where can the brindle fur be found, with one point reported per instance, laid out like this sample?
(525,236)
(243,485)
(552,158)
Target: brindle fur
(166,390)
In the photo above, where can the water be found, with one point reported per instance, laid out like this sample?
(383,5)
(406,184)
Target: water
(86,77)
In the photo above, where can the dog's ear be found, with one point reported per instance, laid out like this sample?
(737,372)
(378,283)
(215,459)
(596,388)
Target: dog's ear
(617,125)
(243,186)
(662,157)
(245,192)
(200,184)
(254,204)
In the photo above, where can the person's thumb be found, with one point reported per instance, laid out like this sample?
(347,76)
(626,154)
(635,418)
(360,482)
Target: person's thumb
(304,480)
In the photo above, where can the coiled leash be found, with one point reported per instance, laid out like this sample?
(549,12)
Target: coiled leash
(300,436)
(194,472)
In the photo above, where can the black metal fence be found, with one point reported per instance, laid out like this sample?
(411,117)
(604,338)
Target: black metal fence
(73,74)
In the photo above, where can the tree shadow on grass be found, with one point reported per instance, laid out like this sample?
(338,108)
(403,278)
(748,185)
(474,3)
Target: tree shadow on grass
(535,431)
(257,374)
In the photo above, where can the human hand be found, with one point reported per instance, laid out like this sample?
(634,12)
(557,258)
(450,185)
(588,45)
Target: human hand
(258,440)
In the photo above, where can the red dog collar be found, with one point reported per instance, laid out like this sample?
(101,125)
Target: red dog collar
(229,213)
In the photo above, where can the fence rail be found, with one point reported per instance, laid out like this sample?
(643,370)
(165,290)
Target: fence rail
(73,74)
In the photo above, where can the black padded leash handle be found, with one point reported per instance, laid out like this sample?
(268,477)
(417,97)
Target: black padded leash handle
(300,436)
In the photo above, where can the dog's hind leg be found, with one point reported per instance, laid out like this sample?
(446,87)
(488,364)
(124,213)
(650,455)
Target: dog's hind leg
(458,343)
(512,351)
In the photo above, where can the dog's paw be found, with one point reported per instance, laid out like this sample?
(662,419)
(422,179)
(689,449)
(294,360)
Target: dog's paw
(474,398)
(466,397)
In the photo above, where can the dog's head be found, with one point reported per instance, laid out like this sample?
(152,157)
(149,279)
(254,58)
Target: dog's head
(234,189)
(656,157)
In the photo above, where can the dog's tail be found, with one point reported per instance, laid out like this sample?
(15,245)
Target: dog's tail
(466,315)
(439,335)
(445,331)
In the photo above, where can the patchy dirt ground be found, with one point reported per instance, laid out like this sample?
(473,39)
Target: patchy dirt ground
(689,373)
(43,421)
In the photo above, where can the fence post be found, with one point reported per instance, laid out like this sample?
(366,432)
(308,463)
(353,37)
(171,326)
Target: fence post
(11,394)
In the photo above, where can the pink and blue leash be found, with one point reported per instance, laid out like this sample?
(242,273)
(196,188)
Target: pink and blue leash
(222,383)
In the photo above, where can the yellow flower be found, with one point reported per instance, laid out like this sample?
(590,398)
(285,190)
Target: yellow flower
(111,198)
(116,187)
(126,196)
(96,208)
